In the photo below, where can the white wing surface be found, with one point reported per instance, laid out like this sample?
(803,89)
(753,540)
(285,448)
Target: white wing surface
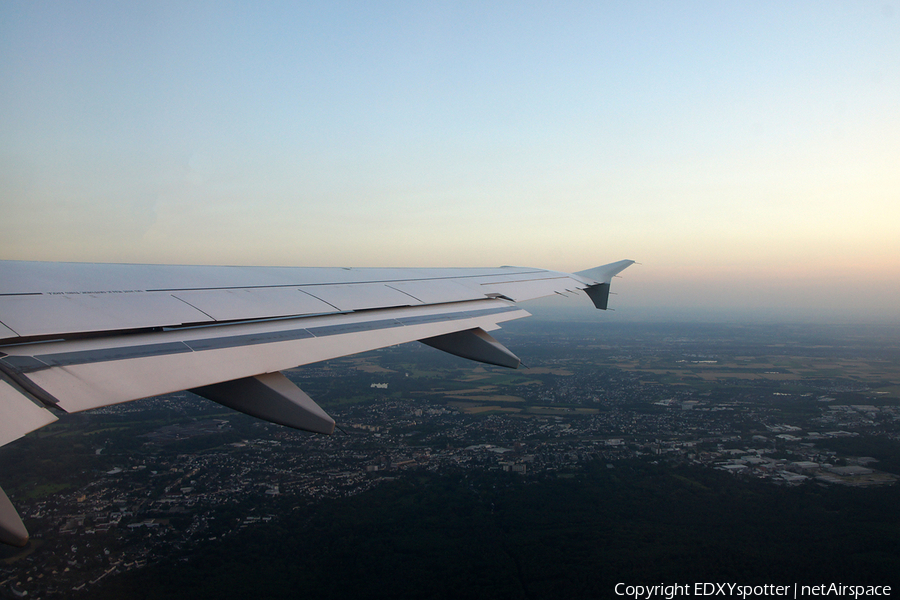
(77,336)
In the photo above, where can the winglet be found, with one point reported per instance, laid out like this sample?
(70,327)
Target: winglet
(598,292)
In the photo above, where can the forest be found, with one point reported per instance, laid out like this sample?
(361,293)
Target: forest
(489,534)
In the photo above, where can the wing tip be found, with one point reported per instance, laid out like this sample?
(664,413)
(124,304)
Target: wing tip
(598,291)
(605,273)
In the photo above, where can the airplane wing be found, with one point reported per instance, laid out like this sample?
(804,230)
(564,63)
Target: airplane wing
(78,336)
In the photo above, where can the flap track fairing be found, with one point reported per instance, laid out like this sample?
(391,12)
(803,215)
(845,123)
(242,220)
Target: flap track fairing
(475,344)
(272,397)
(12,530)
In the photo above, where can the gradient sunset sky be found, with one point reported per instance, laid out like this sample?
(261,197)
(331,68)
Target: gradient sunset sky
(746,153)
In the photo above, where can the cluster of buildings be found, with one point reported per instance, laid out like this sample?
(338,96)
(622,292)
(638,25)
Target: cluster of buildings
(163,499)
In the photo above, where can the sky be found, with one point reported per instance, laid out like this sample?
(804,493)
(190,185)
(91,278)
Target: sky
(747,154)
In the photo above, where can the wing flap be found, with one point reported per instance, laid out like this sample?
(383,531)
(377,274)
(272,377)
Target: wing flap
(86,374)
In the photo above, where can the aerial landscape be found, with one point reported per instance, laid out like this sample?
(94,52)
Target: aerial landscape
(634,453)
(247,200)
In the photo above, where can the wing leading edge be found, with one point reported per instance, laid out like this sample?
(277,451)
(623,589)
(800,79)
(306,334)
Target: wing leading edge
(76,336)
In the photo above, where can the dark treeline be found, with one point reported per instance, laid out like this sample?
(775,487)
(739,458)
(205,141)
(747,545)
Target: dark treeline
(498,535)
